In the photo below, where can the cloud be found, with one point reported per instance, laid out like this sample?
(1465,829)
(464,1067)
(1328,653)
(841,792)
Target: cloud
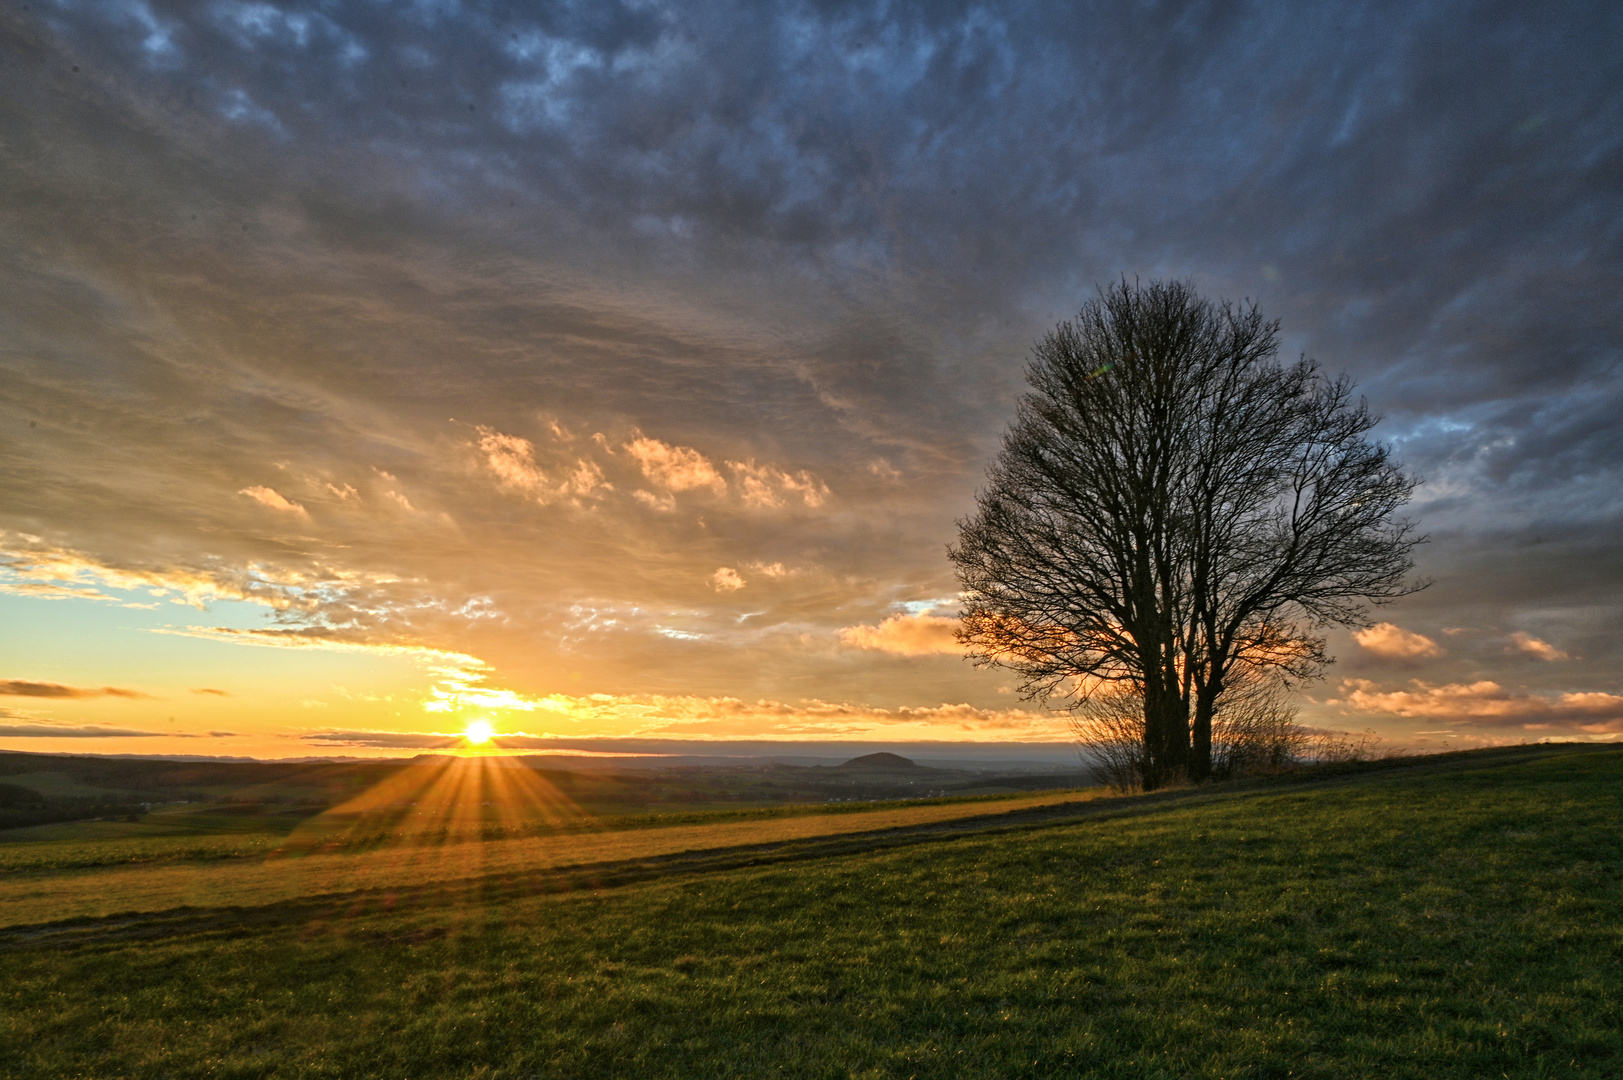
(884,471)
(697,718)
(51,591)
(512,459)
(1485,703)
(720,717)
(45,730)
(457,679)
(663,504)
(586,478)
(22,688)
(265,496)
(28,563)
(667,467)
(314,599)
(769,487)
(210,690)
(676,468)
(906,635)
(385,740)
(726,579)
(1385,639)
(1534,647)
(339,229)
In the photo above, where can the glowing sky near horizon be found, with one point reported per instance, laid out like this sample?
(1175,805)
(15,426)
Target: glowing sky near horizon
(618,371)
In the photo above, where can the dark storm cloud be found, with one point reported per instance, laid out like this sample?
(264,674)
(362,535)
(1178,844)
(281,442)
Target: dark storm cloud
(1435,186)
(275,248)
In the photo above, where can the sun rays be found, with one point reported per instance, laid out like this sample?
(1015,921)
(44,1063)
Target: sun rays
(444,800)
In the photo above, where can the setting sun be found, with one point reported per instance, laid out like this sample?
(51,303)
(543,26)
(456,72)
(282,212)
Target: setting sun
(479,731)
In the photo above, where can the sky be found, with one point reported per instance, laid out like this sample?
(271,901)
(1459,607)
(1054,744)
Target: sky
(616,372)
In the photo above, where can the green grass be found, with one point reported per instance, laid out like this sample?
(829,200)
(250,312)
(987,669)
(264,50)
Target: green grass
(1408,924)
(60,784)
(109,878)
(185,834)
(85,844)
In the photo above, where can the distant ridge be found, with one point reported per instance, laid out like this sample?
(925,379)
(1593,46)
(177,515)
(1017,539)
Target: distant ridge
(881,760)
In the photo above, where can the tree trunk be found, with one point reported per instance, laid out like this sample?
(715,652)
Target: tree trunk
(1147,777)
(1200,753)
(1166,733)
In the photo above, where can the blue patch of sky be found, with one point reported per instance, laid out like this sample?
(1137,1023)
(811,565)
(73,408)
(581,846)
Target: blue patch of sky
(924,607)
(128,640)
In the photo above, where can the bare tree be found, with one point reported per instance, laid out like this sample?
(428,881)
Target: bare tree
(1253,730)
(1174,510)
(1109,730)
(1340,747)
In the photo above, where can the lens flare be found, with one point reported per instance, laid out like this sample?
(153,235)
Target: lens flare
(478,731)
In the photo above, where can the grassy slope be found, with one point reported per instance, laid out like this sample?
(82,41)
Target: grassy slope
(1451,924)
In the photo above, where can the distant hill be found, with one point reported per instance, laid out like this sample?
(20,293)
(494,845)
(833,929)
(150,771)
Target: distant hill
(882,760)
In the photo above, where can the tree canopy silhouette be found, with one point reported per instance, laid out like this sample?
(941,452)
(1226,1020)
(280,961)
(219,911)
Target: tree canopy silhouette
(1175,510)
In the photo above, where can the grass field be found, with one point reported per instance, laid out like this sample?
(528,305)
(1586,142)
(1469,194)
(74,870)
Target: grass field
(67,880)
(509,795)
(1451,919)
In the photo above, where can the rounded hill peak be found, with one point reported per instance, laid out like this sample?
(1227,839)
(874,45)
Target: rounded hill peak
(881,760)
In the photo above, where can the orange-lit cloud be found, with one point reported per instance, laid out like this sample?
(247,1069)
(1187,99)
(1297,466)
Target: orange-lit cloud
(1531,645)
(44,729)
(675,468)
(585,478)
(726,579)
(1486,703)
(460,684)
(384,740)
(883,469)
(265,496)
(30,566)
(720,718)
(769,487)
(664,504)
(50,590)
(906,635)
(457,680)
(494,388)
(1385,639)
(22,688)
(512,459)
